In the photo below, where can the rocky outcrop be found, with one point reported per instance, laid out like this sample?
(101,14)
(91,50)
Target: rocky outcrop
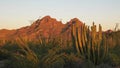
(46,27)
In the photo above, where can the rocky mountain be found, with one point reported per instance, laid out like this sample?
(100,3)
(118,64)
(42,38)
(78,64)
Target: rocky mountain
(46,27)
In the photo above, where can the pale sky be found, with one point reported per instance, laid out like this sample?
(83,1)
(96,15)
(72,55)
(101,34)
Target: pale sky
(18,13)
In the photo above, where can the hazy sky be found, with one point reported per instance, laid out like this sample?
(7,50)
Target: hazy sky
(18,13)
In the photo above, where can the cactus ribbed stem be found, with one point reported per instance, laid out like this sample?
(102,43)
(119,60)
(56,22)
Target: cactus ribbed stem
(75,38)
(89,44)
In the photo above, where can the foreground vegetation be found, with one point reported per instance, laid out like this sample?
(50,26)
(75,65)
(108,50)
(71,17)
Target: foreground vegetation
(87,49)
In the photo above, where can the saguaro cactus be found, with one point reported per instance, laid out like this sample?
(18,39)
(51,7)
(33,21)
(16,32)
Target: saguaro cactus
(89,44)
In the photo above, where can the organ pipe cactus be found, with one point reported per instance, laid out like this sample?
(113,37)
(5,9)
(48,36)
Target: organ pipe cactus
(89,43)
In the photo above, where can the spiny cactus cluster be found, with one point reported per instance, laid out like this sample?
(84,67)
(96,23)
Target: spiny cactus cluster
(90,44)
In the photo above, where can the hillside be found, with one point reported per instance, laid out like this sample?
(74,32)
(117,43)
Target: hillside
(46,27)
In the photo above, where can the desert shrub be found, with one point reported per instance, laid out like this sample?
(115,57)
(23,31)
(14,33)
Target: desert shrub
(5,54)
(21,57)
(18,61)
(114,43)
(12,47)
(114,56)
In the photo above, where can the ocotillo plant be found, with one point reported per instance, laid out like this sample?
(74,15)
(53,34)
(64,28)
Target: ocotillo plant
(89,43)
(29,54)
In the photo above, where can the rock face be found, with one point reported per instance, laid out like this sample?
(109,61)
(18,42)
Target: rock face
(66,31)
(46,27)
(5,34)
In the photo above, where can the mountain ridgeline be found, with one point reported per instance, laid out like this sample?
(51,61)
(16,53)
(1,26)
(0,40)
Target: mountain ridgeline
(45,27)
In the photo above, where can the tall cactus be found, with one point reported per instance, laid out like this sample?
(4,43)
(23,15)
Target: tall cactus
(89,44)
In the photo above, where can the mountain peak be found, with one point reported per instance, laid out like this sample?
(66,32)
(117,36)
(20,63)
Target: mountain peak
(75,20)
(43,21)
(46,26)
(70,23)
(46,17)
